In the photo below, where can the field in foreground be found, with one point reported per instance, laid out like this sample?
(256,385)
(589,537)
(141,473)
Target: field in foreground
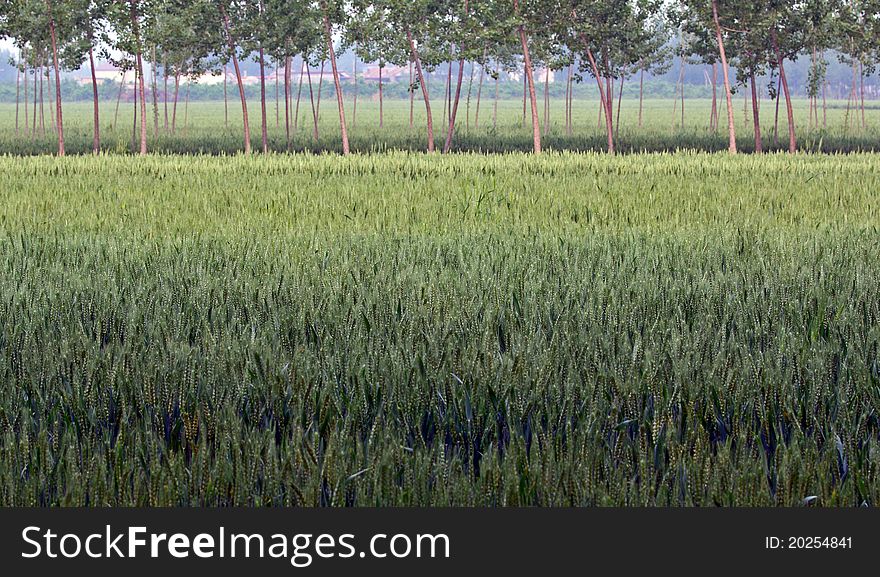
(467,330)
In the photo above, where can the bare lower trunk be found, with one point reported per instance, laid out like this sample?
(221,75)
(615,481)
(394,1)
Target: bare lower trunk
(412,95)
(603,100)
(244,110)
(792,136)
(756,116)
(469,92)
(731,126)
(447,93)
(713,116)
(174,108)
(303,66)
(453,113)
(320,92)
(264,128)
(140,74)
(354,109)
(119,97)
(546,102)
(495,104)
(641,94)
(96,137)
(287,100)
(154,81)
(381,98)
(315,134)
(480,91)
(17,93)
(776,117)
(418,65)
(619,102)
(59,117)
(165,92)
(340,101)
(225,96)
(277,99)
(536,127)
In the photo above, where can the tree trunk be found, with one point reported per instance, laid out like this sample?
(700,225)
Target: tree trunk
(454,111)
(450,131)
(340,101)
(862,93)
(469,92)
(302,67)
(176,94)
(792,136)
(354,108)
(287,100)
(59,117)
(165,92)
(495,104)
(155,89)
(536,127)
(418,65)
(17,92)
(244,111)
(756,116)
(447,93)
(225,96)
(713,116)
(641,94)
(776,117)
(619,102)
(480,91)
(731,126)
(603,99)
(140,73)
(119,98)
(320,92)
(42,109)
(546,101)
(186,108)
(264,122)
(25,91)
(412,95)
(315,134)
(277,98)
(381,98)
(96,138)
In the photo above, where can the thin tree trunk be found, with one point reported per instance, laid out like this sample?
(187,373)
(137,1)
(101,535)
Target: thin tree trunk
(244,111)
(176,94)
(776,117)
(862,93)
(25,91)
(17,93)
(165,92)
(454,111)
(450,131)
(96,138)
(264,121)
(140,74)
(824,104)
(546,101)
(619,102)
(134,120)
(340,101)
(447,92)
(155,88)
(536,127)
(277,98)
(59,122)
(354,108)
(320,92)
(609,128)
(641,94)
(713,116)
(480,91)
(119,98)
(469,92)
(36,104)
(495,104)
(186,108)
(225,95)
(418,65)
(381,98)
(731,127)
(315,134)
(42,109)
(287,100)
(303,66)
(412,95)
(756,116)
(792,136)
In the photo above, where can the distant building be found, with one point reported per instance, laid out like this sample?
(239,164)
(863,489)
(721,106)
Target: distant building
(389,74)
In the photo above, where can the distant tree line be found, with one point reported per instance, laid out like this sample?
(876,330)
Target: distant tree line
(602,42)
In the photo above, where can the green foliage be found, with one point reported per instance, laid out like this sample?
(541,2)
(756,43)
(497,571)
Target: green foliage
(407,329)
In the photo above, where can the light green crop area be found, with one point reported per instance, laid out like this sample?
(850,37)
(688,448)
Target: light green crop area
(404,329)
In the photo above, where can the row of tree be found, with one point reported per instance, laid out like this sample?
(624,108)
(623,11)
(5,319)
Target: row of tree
(602,41)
